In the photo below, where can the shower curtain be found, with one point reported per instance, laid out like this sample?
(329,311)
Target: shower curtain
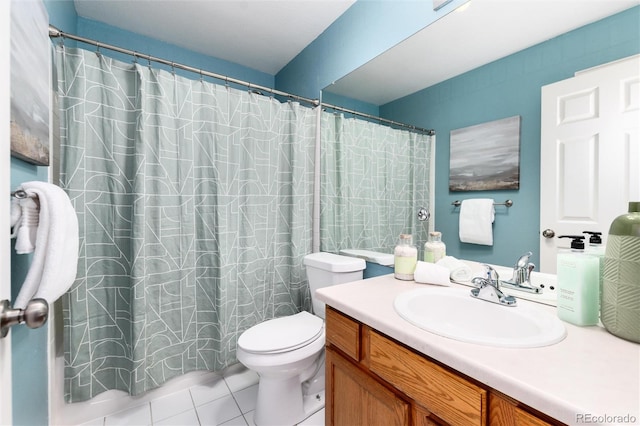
(374,179)
(195,210)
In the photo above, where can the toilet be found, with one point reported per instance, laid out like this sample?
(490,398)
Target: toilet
(288,352)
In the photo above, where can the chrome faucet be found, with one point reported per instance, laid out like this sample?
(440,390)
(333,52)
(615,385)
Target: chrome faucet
(489,289)
(521,279)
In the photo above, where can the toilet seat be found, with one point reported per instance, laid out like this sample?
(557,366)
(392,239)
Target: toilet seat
(283,334)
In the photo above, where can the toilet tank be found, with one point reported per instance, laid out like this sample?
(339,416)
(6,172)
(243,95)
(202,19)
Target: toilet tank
(326,269)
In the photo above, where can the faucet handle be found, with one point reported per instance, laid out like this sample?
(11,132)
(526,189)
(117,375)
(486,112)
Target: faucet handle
(523,261)
(530,268)
(490,271)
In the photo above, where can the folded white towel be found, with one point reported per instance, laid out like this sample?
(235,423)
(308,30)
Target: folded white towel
(476,221)
(459,271)
(430,273)
(55,260)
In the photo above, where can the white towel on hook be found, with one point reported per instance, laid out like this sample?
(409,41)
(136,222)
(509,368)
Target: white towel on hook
(476,221)
(55,260)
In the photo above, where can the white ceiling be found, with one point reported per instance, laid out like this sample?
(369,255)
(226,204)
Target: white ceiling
(266,34)
(261,34)
(479,32)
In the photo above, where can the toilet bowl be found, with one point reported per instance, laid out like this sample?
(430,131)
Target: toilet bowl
(287,353)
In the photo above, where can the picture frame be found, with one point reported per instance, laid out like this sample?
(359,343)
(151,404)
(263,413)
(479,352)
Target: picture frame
(485,156)
(30,82)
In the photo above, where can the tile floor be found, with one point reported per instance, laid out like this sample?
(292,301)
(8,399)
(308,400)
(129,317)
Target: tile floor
(228,399)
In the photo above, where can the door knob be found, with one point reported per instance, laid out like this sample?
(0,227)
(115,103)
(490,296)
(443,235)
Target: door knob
(34,315)
(548,233)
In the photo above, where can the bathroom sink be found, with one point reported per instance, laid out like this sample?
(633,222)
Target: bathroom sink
(452,313)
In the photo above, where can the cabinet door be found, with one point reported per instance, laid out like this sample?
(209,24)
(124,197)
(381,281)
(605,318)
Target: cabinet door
(504,411)
(354,398)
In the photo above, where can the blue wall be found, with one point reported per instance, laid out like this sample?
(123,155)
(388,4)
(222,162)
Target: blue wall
(111,35)
(508,87)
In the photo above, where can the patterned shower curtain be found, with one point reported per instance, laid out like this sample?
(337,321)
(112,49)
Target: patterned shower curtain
(195,209)
(374,179)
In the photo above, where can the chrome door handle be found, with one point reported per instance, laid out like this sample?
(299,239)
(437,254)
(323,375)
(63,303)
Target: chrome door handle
(34,315)
(548,233)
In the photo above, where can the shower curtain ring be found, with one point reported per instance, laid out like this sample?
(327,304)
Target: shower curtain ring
(135,57)
(98,54)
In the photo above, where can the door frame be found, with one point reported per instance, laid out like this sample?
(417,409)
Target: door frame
(5,247)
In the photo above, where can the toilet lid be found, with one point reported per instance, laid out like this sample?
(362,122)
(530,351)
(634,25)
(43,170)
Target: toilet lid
(282,334)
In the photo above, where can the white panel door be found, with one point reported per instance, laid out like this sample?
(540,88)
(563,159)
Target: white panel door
(590,153)
(5,247)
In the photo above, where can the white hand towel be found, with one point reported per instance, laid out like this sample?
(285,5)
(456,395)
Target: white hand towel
(430,273)
(55,260)
(16,216)
(476,221)
(459,271)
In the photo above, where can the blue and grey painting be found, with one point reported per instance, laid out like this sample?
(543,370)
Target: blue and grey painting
(485,156)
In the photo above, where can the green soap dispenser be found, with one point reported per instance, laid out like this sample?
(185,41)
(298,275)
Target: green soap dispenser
(578,284)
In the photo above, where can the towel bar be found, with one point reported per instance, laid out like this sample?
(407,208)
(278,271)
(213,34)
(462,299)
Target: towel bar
(507,203)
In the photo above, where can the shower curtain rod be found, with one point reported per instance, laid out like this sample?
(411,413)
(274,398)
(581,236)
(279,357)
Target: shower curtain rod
(55,33)
(430,132)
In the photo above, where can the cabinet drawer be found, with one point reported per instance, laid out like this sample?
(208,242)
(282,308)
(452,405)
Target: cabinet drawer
(343,333)
(453,399)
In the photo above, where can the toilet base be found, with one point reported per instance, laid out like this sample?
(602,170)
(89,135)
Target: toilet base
(281,402)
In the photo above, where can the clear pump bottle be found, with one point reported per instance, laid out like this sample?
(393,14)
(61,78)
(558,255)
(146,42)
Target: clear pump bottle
(405,258)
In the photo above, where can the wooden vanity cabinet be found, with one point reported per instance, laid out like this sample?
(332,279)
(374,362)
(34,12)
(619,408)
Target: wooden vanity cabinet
(374,380)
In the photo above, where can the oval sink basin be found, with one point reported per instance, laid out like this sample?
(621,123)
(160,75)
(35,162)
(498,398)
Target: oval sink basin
(453,313)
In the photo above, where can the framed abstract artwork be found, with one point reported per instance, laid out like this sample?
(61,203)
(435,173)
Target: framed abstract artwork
(30,82)
(485,156)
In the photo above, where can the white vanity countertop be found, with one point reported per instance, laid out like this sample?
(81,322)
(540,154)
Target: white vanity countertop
(589,373)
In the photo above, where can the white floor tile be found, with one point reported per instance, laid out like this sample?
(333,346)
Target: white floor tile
(317,419)
(171,405)
(140,415)
(208,392)
(187,418)
(238,421)
(239,378)
(218,411)
(246,398)
(248,417)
